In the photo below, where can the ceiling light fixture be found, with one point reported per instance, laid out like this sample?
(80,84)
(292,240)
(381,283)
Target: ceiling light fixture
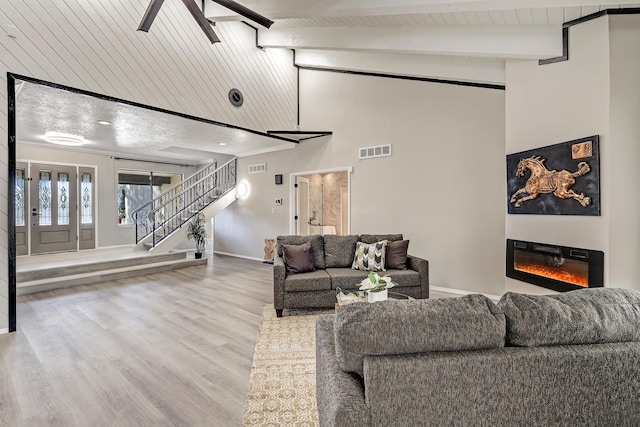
(65,139)
(104,122)
(222,143)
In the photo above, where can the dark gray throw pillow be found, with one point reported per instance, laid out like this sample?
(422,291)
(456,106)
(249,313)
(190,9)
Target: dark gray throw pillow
(396,257)
(298,258)
(317,247)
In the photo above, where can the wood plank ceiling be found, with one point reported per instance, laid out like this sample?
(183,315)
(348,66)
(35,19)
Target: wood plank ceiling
(94,46)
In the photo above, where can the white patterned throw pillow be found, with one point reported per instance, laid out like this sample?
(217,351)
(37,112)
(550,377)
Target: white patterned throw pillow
(369,257)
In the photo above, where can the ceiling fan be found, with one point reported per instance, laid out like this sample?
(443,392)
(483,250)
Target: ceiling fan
(198,15)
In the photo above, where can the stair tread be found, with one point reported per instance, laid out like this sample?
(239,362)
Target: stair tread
(142,258)
(108,272)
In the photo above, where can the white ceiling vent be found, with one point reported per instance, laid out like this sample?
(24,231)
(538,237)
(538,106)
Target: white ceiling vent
(259,168)
(377,151)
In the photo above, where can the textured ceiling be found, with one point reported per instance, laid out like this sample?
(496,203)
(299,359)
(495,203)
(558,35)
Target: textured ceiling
(133,131)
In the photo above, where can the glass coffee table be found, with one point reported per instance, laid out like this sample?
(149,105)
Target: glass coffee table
(360,296)
(398,295)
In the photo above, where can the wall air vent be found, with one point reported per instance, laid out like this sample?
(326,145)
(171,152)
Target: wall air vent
(377,151)
(259,168)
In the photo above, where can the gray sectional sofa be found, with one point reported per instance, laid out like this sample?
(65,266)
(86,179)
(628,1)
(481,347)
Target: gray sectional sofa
(332,258)
(571,359)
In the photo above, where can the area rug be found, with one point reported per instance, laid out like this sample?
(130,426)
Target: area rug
(282,388)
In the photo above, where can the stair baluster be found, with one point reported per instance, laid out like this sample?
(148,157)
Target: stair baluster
(170,210)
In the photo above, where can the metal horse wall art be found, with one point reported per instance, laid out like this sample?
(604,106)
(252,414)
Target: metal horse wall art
(544,181)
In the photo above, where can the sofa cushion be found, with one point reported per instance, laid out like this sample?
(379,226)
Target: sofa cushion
(349,279)
(346,279)
(339,250)
(416,326)
(396,255)
(369,257)
(317,280)
(584,316)
(298,258)
(317,247)
(403,278)
(372,238)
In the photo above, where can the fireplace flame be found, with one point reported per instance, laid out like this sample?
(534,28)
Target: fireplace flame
(554,273)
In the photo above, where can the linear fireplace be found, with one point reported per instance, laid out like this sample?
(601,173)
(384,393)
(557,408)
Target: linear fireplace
(554,267)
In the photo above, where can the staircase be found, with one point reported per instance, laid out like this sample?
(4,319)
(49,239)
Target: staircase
(159,223)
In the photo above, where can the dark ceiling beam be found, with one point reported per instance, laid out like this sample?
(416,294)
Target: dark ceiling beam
(201,20)
(154,8)
(150,15)
(247,13)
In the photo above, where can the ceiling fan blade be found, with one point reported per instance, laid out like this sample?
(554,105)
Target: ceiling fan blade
(150,15)
(246,12)
(202,21)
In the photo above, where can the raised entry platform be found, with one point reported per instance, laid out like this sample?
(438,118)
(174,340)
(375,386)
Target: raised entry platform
(41,273)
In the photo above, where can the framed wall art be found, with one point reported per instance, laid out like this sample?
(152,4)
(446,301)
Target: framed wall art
(560,179)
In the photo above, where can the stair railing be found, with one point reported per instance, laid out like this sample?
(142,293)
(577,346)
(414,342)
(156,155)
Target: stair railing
(174,207)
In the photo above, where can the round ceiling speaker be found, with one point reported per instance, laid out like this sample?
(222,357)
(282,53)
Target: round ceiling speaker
(236,98)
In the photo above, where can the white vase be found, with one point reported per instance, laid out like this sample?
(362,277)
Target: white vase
(377,296)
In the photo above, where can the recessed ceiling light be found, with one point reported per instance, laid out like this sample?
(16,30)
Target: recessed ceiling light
(65,139)
(104,122)
(222,143)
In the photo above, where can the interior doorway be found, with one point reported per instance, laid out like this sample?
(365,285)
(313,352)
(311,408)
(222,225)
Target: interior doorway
(321,202)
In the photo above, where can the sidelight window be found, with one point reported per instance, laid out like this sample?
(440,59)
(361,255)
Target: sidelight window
(86,191)
(20,198)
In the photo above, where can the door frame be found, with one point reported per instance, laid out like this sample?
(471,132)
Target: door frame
(78,167)
(299,225)
(292,193)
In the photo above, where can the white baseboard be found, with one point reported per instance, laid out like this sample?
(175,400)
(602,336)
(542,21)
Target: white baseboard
(4,331)
(239,256)
(463,292)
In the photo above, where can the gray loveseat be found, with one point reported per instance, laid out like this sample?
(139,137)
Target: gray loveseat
(570,359)
(332,258)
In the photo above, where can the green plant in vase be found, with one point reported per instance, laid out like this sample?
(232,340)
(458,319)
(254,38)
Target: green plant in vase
(375,286)
(197,231)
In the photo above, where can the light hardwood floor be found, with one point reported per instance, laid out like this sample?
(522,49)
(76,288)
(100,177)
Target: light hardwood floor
(167,349)
(159,350)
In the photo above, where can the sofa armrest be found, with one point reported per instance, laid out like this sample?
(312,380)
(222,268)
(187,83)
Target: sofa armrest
(422,267)
(279,274)
(340,395)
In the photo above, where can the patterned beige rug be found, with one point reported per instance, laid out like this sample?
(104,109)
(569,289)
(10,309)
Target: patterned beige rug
(282,388)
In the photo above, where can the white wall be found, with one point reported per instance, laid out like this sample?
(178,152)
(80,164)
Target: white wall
(595,92)
(624,227)
(443,188)
(93,45)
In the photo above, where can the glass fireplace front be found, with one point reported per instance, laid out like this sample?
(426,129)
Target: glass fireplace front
(555,267)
